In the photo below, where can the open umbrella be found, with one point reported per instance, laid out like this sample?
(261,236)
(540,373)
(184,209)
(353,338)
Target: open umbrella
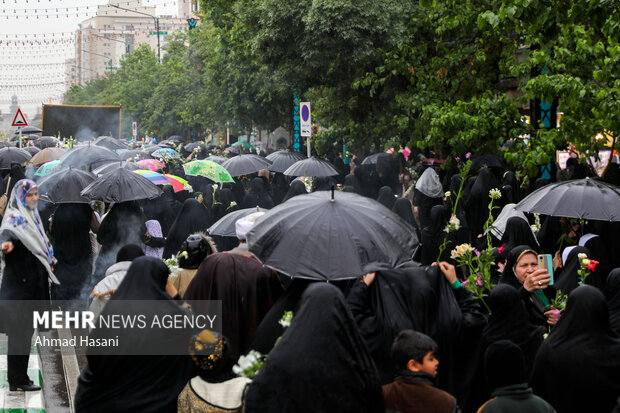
(217,159)
(109,167)
(311,167)
(12,155)
(245,164)
(176,138)
(152,164)
(242,144)
(282,160)
(178,183)
(65,186)
(32,150)
(135,153)
(110,143)
(331,236)
(27,129)
(88,157)
(165,153)
(208,169)
(46,142)
(374,158)
(121,185)
(193,145)
(46,155)
(578,198)
(225,226)
(49,168)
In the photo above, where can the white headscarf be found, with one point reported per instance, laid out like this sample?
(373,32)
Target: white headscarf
(26,225)
(584,239)
(429,184)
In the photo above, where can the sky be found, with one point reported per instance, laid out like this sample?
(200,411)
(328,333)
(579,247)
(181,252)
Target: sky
(36,37)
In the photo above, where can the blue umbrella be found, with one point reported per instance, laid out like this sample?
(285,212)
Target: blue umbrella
(49,167)
(165,153)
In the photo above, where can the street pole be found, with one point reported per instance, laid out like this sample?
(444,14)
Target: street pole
(158,48)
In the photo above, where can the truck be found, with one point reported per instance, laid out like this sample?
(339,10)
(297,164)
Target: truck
(80,121)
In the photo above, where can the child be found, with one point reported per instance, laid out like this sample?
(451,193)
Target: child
(413,389)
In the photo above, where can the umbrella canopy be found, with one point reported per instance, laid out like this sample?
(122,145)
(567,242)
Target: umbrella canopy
(488,160)
(88,157)
(32,150)
(46,155)
(578,198)
(46,142)
(331,236)
(374,158)
(208,169)
(28,129)
(152,164)
(152,149)
(246,164)
(282,160)
(49,167)
(193,145)
(110,143)
(12,155)
(109,167)
(242,144)
(311,167)
(217,159)
(176,138)
(178,183)
(225,226)
(165,153)
(121,185)
(135,153)
(65,186)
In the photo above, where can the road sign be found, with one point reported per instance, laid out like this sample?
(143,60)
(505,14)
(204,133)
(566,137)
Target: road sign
(305,121)
(156,33)
(111,68)
(19,119)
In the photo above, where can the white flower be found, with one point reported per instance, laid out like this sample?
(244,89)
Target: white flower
(454,221)
(495,193)
(447,194)
(461,250)
(286,319)
(582,256)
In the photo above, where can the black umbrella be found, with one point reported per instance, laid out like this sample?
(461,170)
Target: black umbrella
(12,155)
(311,167)
(282,160)
(579,198)
(374,158)
(225,226)
(193,145)
(65,186)
(121,185)
(153,148)
(331,236)
(245,164)
(46,142)
(135,153)
(488,160)
(32,150)
(217,159)
(88,157)
(110,143)
(176,138)
(109,167)
(28,129)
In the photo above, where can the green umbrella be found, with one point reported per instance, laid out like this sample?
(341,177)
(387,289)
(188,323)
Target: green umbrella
(242,143)
(208,169)
(49,167)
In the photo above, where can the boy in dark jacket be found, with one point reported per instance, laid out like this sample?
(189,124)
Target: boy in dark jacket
(413,389)
(505,370)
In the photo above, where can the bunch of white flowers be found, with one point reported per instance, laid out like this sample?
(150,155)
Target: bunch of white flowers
(453,225)
(461,250)
(249,364)
(495,193)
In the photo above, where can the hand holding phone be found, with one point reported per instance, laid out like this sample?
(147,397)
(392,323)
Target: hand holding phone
(545,262)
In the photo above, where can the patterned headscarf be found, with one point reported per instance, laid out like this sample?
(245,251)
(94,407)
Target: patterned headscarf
(25,224)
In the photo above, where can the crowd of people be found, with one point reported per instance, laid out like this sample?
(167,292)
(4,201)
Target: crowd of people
(409,339)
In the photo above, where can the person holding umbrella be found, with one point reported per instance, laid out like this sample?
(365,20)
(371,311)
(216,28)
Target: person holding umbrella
(28,268)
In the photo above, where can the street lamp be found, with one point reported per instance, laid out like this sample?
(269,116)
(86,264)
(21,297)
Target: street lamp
(156,25)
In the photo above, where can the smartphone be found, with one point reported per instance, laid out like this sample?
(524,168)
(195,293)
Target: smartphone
(545,261)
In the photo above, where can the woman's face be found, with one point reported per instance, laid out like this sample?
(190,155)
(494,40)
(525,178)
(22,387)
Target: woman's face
(526,265)
(32,199)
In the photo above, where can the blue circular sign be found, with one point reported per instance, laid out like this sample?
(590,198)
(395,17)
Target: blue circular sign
(296,145)
(305,113)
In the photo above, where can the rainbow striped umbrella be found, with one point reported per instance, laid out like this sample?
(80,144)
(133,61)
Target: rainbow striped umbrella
(178,184)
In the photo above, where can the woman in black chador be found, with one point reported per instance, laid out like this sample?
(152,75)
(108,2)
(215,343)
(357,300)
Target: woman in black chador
(191,218)
(577,368)
(335,374)
(257,196)
(69,234)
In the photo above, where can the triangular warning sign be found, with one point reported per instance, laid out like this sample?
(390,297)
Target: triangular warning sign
(19,119)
